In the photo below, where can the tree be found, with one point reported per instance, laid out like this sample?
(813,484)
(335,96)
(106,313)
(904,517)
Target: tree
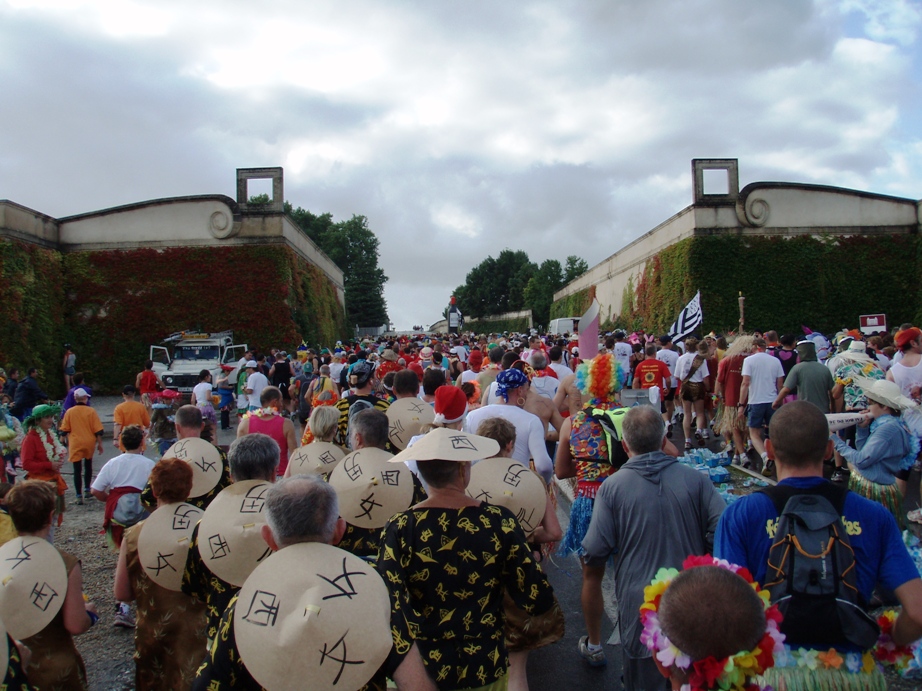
(353,247)
(575,268)
(539,293)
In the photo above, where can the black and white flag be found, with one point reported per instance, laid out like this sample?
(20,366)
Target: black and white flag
(689,319)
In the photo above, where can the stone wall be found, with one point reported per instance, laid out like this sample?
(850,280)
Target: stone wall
(629,283)
(115,281)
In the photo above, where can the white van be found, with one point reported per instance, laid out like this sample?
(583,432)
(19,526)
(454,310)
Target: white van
(563,325)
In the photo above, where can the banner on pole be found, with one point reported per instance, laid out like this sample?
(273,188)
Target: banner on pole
(688,320)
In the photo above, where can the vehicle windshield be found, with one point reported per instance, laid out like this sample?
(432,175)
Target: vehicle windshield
(203,352)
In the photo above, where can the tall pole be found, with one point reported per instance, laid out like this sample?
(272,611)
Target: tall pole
(742,311)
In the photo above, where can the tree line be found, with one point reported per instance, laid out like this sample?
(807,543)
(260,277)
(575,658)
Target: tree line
(512,282)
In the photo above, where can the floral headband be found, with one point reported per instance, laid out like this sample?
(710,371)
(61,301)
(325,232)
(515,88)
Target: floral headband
(728,673)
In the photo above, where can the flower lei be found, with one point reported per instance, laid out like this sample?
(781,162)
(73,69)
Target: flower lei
(886,651)
(264,412)
(54,449)
(728,673)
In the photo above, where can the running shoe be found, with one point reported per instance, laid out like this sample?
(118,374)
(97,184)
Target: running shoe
(840,475)
(124,620)
(768,469)
(595,658)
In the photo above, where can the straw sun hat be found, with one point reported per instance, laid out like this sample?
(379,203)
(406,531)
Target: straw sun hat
(316,458)
(229,535)
(205,460)
(370,490)
(33,583)
(449,445)
(163,544)
(313,616)
(405,418)
(885,392)
(506,482)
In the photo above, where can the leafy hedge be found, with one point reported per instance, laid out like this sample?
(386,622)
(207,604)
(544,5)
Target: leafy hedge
(573,305)
(123,301)
(823,282)
(31,314)
(518,325)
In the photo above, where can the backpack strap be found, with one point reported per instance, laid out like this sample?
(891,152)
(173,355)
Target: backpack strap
(779,494)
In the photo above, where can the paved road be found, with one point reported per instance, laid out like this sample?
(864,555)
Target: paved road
(560,666)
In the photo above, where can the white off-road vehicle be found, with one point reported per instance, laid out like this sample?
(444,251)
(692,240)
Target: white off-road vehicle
(192,352)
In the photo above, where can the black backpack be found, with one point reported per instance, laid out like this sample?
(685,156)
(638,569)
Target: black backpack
(812,574)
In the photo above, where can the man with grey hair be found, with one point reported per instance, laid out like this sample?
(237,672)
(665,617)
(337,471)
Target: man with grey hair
(369,430)
(545,380)
(253,457)
(302,508)
(190,425)
(651,514)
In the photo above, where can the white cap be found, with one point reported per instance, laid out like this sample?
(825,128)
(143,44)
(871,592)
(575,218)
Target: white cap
(81,393)
(251,364)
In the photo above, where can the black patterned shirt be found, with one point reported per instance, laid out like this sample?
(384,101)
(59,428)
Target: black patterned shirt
(446,571)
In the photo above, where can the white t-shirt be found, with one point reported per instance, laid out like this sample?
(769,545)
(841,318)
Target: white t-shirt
(468,375)
(336,369)
(545,386)
(670,357)
(202,393)
(126,470)
(907,377)
(492,396)
(529,434)
(461,352)
(561,370)
(763,371)
(623,353)
(256,382)
(684,364)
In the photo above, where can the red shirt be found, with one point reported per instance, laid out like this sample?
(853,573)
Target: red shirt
(652,372)
(387,366)
(730,376)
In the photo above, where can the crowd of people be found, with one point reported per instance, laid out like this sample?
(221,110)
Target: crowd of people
(382,516)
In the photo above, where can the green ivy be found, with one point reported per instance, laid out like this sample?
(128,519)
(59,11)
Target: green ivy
(573,305)
(824,282)
(121,302)
(31,308)
(518,325)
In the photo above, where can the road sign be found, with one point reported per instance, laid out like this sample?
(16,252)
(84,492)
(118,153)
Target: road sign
(873,323)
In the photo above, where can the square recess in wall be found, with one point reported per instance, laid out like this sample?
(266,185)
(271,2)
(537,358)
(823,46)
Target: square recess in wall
(716,181)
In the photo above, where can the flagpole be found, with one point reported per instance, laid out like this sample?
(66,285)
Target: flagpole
(742,310)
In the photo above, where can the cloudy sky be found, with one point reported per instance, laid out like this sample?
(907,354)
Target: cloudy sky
(457,128)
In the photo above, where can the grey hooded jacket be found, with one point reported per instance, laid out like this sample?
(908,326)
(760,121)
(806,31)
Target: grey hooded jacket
(651,514)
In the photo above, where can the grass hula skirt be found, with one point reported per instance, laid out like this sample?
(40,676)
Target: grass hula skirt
(580,516)
(822,679)
(726,419)
(887,495)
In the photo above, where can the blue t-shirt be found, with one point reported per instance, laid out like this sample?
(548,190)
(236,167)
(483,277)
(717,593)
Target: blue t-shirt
(746,528)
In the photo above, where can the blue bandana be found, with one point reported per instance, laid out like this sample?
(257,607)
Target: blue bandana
(508,380)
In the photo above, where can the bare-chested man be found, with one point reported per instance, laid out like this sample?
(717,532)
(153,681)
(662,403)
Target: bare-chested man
(568,396)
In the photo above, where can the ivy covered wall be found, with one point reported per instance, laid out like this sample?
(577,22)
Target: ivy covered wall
(486,325)
(822,282)
(573,305)
(113,305)
(31,314)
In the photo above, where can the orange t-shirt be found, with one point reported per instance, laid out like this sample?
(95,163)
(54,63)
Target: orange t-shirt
(131,413)
(81,424)
(652,373)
